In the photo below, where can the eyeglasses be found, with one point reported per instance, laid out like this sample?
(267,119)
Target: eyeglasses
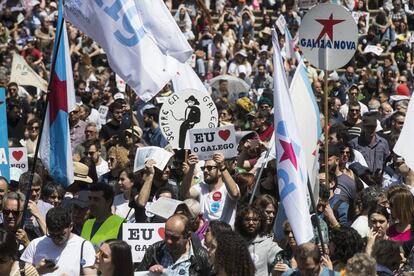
(247,219)
(59,235)
(7,212)
(345,152)
(34,128)
(401,81)
(354,110)
(90,153)
(209,168)
(89,131)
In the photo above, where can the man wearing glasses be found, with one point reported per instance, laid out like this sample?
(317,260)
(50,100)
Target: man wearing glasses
(218,194)
(60,251)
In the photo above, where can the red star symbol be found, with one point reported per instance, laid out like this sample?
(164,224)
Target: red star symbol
(58,99)
(289,153)
(328,26)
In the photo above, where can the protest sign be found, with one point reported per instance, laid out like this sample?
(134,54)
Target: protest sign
(377,50)
(18,158)
(163,207)
(23,74)
(103,112)
(182,112)
(281,24)
(4,146)
(328,36)
(205,142)
(140,236)
(160,155)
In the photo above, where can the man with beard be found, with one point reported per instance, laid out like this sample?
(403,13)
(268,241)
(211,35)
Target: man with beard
(15,121)
(152,132)
(60,251)
(110,131)
(250,223)
(397,122)
(218,194)
(176,254)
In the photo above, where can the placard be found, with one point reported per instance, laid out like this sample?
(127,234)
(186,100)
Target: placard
(377,50)
(4,145)
(18,158)
(103,112)
(140,236)
(160,155)
(205,142)
(281,24)
(184,110)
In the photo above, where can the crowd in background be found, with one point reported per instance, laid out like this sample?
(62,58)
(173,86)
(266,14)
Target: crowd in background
(365,211)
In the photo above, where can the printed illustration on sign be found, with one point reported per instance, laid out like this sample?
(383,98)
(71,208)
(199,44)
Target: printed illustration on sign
(18,158)
(182,112)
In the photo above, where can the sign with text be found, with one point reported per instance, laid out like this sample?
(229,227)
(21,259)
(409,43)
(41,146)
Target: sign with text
(4,146)
(140,236)
(205,142)
(18,158)
(160,155)
(103,112)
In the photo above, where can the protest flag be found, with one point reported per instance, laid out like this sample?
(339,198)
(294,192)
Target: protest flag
(402,147)
(289,44)
(23,74)
(308,124)
(55,148)
(141,39)
(186,78)
(290,155)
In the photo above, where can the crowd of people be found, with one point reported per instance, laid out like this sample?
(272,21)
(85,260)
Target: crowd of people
(365,211)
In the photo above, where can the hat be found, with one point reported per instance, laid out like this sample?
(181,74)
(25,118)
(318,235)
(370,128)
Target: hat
(242,53)
(242,69)
(81,199)
(193,206)
(137,131)
(119,96)
(53,5)
(264,100)
(192,98)
(245,104)
(81,171)
(403,90)
(266,30)
(354,85)
(264,49)
(369,121)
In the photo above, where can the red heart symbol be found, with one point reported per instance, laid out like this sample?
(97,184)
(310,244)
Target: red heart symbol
(224,134)
(17,154)
(161,232)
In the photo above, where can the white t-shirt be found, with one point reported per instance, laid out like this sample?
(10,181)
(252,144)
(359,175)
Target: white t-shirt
(121,207)
(67,257)
(102,168)
(216,205)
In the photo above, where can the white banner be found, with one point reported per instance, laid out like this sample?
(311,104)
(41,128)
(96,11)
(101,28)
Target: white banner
(140,236)
(23,74)
(18,158)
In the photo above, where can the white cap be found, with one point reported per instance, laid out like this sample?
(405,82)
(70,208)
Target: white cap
(118,96)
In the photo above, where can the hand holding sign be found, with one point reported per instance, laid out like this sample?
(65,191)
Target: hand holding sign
(219,159)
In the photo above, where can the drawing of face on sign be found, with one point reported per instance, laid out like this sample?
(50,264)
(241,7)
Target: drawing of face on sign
(182,111)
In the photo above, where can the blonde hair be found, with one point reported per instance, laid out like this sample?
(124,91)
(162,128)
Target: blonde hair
(121,154)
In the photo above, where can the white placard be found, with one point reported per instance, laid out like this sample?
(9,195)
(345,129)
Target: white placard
(328,36)
(281,24)
(103,112)
(140,236)
(18,158)
(373,49)
(184,110)
(160,155)
(205,142)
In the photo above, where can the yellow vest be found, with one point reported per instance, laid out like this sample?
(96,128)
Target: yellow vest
(108,230)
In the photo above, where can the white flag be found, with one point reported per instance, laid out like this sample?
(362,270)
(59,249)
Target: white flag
(23,74)
(139,47)
(403,145)
(290,154)
(186,78)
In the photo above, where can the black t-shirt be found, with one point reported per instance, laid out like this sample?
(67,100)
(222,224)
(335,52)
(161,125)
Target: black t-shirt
(109,130)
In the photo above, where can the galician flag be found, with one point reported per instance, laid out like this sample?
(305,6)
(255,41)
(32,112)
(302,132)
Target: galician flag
(55,149)
(402,147)
(290,156)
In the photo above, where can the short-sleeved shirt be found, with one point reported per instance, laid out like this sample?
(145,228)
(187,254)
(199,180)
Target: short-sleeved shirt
(216,205)
(68,257)
(375,155)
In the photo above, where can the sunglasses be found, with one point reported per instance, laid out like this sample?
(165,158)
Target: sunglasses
(209,168)
(7,212)
(34,128)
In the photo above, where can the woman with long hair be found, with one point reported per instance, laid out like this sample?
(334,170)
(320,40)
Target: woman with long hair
(267,203)
(402,211)
(120,205)
(115,258)
(378,222)
(231,256)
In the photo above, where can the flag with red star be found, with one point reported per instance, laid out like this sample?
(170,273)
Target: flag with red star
(290,156)
(55,148)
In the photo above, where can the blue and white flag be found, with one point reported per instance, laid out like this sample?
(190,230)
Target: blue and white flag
(290,154)
(307,117)
(140,38)
(55,149)
(4,145)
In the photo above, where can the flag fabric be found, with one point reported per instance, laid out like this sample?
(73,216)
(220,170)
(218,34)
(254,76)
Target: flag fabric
(23,74)
(402,147)
(186,78)
(290,154)
(289,44)
(140,37)
(55,149)
(4,145)
(307,117)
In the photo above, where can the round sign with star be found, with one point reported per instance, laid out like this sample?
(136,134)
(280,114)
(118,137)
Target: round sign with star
(328,36)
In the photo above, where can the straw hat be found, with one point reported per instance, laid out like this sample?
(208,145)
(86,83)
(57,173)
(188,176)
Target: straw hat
(81,172)
(137,131)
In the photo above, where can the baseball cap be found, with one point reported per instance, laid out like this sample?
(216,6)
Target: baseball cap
(81,199)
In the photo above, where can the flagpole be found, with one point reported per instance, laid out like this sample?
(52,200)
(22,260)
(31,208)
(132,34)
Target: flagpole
(260,172)
(39,138)
(326,117)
